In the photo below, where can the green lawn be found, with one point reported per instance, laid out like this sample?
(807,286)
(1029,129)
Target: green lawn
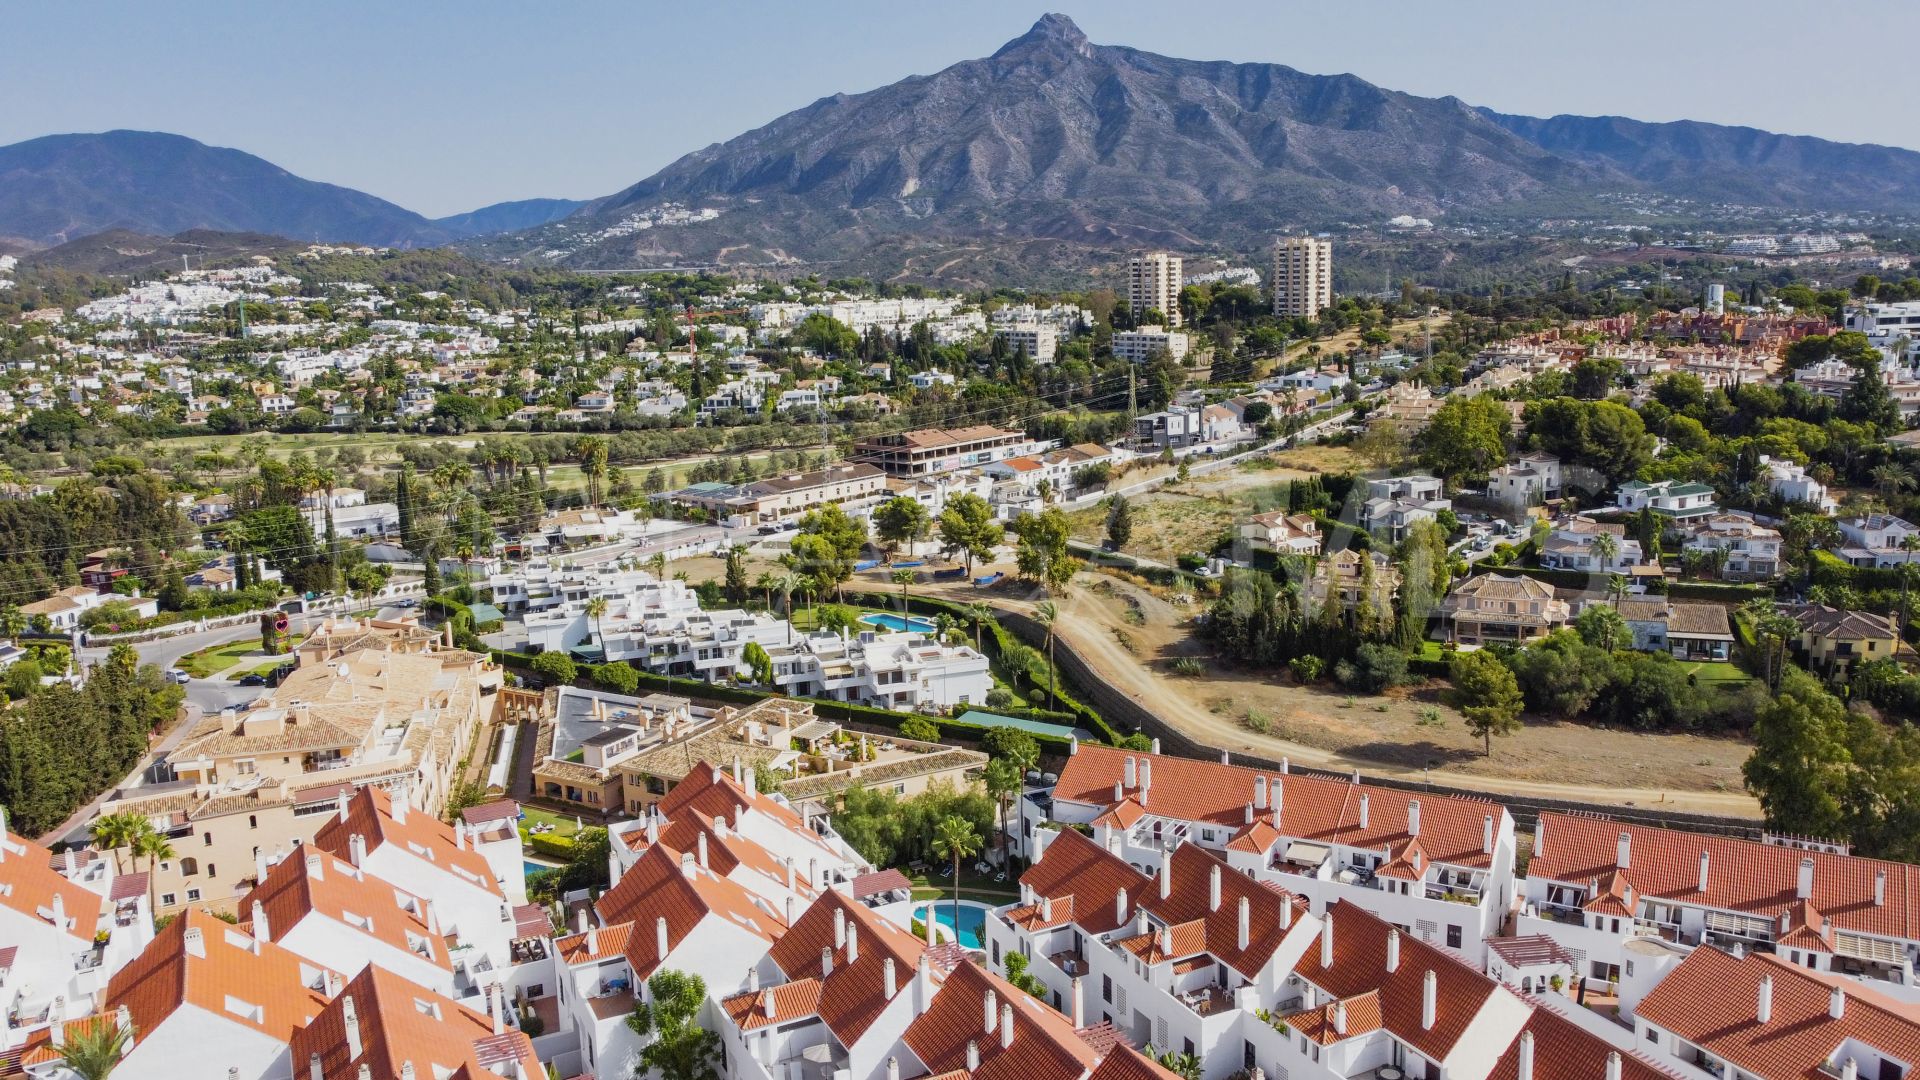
(1708,672)
(972,886)
(212,661)
(532,815)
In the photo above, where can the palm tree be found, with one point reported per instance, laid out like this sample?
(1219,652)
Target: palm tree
(954,838)
(943,623)
(1046,614)
(94,1050)
(1605,548)
(1616,588)
(1891,479)
(1003,784)
(12,622)
(1909,543)
(980,613)
(766,583)
(116,831)
(597,607)
(152,846)
(658,565)
(904,578)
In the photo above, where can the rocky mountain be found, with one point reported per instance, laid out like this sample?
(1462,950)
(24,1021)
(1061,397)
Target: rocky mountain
(1054,143)
(64,187)
(121,251)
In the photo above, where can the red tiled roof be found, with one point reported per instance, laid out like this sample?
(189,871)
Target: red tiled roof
(224,968)
(401,1022)
(791,1001)
(1562,1050)
(878,882)
(31,884)
(309,883)
(1044,1043)
(1320,810)
(603,943)
(1360,965)
(1083,878)
(663,884)
(497,810)
(128,886)
(1126,1063)
(1323,1024)
(855,992)
(1742,875)
(1192,868)
(1711,1000)
(531,920)
(370,814)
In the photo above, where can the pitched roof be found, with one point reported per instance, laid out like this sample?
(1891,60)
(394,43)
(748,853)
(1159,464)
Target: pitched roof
(216,969)
(1832,622)
(1081,879)
(1327,811)
(854,993)
(1199,927)
(1044,1043)
(370,814)
(309,883)
(1742,875)
(667,884)
(1360,965)
(31,884)
(1712,999)
(401,1023)
(1563,1050)
(791,1001)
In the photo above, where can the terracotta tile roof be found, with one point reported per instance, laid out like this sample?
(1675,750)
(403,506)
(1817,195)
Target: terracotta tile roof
(31,884)
(1044,1043)
(128,886)
(370,814)
(713,792)
(1360,965)
(497,810)
(727,850)
(791,1001)
(664,883)
(1742,875)
(311,884)
(220,970)
(878,882)
(603,943)
(1315,809)
(1082,878)
(1126,1063)
(1563,1050)
(401,1023)
(1103,1037)
(855,992)
(1712,999)
(1191,869)
(1327,1025)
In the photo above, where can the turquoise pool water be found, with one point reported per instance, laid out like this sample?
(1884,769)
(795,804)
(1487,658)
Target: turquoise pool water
(897,624)
(527,868)
(972,919)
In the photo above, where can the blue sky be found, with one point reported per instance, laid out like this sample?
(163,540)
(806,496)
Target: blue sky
(443,106)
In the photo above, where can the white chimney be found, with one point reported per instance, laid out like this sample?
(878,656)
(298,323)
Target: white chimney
(839,928)
(400,808)
(313,1067)
(1119,791)
(1259,793)
(261,932)
(660,939)
(1393,950)
(1429,999)
(973,1056)
(1804,889)
(1540,837)
(580,920)
(887,979)
(826,961)
(1286,912)
(1879,888)
(653,831)
(1046,910)
(923,985)
(1120,907)
(59,912)
(493,1009)
(1273,794)
(1286,766)
(593,941)
(1363,811)
(853,944)
(989,1011)
(460,835)
(1623,851)
(1486,834)
(1340,1018)
(1166,876)
(1006,1026)
(1326,942)
(356,849)
(1525,1070)
(701,845)
(1132,774)
(1246,923)
(1413,817)
(195,942)
(1763,1009)
(1213,888)
(1079,1014)
(1146,774)
(767,1004)
(1851,1070)
(352,1021)
(893,1068)
(1703,871)
(340,805)
(1613,1065)
(1837,1003)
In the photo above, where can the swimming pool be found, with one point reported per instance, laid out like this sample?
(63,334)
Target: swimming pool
(527,868)
(897,624)
(973,917)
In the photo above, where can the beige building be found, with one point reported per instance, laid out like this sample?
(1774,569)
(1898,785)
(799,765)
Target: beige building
(1302,277)
(611,754)
(1344,571)
(1153,283)
(357,712)
(1495,608)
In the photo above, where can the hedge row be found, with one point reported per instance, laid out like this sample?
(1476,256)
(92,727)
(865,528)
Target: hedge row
(552,845)
(1836,573)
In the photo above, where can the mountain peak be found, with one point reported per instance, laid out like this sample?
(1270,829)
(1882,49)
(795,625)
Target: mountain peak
(1053,31)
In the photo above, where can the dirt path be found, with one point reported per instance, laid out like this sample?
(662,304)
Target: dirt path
(1316,728)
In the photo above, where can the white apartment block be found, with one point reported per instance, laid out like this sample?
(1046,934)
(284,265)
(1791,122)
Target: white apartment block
(1790,482)
(1038,340)
(1752,551)
(1876,540)
(1139,346)
(1153,284)
(1302,277)
(903,671)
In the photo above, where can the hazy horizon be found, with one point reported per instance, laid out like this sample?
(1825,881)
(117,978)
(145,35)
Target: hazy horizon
(443,108)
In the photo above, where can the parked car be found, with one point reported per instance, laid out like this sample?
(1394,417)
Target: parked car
(177,675)
(253,678)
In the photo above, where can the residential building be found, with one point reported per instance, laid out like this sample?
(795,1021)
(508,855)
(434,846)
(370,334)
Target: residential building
(1791,483)
(1039,340)
(1302,277)
(1282,533)
(1686,631)
(1878,540)
(1440,865)
(1310,380)
(1530,481)
(1744,549)
(1885,319)
(901,671)
(1495,609)
(1139,346)
(916,454)
(1595,885)
(380,1025)
(1395,504)
(1153,284)
(782,498)
(356,520)
(1577,545)
(64,609)
(1354,576)
(1834,639)
(1672,499)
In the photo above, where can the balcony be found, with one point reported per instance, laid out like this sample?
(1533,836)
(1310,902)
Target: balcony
(1453,894)
(1070,961)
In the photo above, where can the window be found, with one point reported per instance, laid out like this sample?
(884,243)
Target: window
(253,821)
(192,895)
(206,839)
(1453,936)
(1106,987)
(211,872)
(189,867)
(1653,1036)
(166,899)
